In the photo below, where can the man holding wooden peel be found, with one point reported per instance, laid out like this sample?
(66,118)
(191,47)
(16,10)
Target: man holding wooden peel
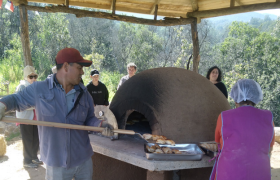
(61,98)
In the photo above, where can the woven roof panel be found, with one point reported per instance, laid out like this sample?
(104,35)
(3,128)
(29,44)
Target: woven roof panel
(172,8)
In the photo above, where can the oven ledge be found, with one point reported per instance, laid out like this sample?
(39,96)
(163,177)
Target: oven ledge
(131,151)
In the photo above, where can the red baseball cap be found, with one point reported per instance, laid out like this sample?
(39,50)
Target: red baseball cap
(71,55)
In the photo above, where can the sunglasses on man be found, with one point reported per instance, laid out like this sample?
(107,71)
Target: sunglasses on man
(31,77)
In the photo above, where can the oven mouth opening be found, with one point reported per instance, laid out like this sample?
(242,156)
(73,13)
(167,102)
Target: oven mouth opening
(138,123)
(144,116)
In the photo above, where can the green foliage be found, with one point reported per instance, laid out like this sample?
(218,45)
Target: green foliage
(95,58)
(12,135)
(249,53)
(111,80)
(48,34)
(241,50)
(11,66)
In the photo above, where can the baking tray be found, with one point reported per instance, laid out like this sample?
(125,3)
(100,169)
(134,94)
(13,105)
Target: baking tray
(207,151)
(190,152)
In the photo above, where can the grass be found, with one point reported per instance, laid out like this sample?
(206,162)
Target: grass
(11,136)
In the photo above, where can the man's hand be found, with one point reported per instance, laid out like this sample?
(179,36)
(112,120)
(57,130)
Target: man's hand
(2,110)
(108,129)
(107,132)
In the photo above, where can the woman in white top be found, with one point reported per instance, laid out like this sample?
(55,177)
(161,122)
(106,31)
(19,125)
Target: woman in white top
(30,138)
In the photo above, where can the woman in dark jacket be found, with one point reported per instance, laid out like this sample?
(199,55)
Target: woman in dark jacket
(214,74)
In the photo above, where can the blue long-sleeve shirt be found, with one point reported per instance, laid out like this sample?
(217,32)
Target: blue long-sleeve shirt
(59,147)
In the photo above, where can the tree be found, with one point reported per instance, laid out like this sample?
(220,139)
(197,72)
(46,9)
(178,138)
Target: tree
(248,53)
(48,34)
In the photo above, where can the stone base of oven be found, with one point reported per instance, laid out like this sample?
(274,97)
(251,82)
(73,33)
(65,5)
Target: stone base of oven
(195,174)
(159,175)
(106,168)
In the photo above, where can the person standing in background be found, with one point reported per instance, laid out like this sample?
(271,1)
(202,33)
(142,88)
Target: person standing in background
(97,89)
(29,133)
(214,74)
(131,70)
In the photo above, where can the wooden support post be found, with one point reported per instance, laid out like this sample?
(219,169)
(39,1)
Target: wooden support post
(156,9)
(196,56)
(24,34)
(113,7)
(67,3)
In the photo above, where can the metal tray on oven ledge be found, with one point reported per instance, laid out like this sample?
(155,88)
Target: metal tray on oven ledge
(208,152)
(190,152)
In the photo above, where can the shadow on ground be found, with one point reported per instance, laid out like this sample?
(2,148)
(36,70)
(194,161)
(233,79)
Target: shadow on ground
(4,158)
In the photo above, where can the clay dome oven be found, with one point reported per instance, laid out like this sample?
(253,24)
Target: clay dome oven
(178,103)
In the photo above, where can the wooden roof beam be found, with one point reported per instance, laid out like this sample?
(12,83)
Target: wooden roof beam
(233,10)
(84,13)
(113,7)
(19,2)
(154,6)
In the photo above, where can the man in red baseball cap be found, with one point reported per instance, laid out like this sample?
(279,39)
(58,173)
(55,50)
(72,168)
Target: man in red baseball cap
(61,98)
(71,62)
(71,55)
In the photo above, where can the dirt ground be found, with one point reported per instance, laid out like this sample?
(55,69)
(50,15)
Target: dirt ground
(12,168)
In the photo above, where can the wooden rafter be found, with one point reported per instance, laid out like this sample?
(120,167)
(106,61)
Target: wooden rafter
(84,13)
(232,3)
(155,14)
(113,6)
(194,5)
(67,3)
(234,10)
(154,6)
(187,8)
(107,6)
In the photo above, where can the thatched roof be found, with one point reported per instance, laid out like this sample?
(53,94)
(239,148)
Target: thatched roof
(184,11)
(170,8)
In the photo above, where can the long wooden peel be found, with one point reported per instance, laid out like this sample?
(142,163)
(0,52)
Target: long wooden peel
(62,125)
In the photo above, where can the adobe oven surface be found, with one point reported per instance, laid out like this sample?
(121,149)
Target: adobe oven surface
(178,103)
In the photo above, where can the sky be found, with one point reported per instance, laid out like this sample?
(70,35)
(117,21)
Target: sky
(271,11)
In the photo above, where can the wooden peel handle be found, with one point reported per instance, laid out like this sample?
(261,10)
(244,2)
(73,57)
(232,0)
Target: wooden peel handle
(122,131)
(61,125)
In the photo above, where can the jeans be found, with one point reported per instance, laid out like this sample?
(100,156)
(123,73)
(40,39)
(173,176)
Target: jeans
(82,172)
